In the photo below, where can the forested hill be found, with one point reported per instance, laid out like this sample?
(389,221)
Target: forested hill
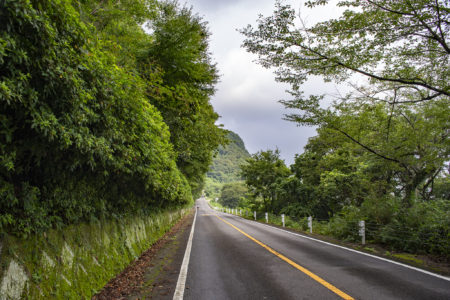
(225,166)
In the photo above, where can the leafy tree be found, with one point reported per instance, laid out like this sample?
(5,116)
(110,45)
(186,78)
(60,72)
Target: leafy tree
(232,194)
(119,25)
(401,47)
(330,175)
(262,173)
(440,187)
(409,141)
(180,50)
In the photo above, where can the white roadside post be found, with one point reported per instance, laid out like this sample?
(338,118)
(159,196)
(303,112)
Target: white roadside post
(267,217)
(362,232)
(254,214)
(282,219)
(310,224)
(240,212)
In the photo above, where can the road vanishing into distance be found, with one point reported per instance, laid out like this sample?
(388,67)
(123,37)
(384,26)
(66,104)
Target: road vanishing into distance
(234,258)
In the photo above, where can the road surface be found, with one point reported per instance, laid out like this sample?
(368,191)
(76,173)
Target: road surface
(234,258)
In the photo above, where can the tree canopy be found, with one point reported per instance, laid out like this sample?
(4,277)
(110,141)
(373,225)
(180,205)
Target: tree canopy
(233,194)
(261,172)
(401,47)
(180,50)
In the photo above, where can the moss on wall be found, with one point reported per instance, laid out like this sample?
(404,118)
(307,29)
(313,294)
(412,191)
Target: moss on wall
(77,261)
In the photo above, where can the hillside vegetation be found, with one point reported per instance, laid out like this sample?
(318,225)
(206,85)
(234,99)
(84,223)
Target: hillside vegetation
(97,117)
(226,164)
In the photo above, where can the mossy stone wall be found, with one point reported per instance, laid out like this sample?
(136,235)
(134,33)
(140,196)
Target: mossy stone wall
(77,261)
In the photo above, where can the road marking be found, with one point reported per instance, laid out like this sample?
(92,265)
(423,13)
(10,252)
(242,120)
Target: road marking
(352,250)
(181,283)
(292,263)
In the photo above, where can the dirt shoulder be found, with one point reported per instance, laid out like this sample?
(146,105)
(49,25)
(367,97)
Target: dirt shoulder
(155,273)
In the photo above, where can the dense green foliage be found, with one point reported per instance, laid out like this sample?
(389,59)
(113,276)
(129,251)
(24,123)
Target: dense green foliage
(180,50)
(381,151)
(262,173)
(233,194)
(225,167)
(81,132)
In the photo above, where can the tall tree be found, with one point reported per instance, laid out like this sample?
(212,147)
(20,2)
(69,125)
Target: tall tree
(401,47)
(188,76)
(232,194)
(262,173)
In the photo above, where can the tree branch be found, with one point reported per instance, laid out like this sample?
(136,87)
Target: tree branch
(368,148)
(435,36)
(365,73)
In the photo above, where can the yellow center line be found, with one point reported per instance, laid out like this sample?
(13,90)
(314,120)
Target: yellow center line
(295,265)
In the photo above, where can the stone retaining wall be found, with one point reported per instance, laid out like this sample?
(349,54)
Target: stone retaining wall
(76,262)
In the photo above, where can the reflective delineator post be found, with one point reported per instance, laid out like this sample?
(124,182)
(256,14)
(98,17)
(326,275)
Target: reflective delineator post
(362,232)
(267,217)
(254,214)
(310,224)
(282,219)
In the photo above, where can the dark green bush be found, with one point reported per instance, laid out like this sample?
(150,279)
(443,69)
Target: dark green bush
(423,228)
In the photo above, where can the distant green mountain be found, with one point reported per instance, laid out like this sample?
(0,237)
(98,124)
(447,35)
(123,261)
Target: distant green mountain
(225,166)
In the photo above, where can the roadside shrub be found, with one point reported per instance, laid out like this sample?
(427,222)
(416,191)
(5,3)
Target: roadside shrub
(423,228)
(345,224)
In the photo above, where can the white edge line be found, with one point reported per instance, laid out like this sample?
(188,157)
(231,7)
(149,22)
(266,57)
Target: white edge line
(179,290)
(349,249)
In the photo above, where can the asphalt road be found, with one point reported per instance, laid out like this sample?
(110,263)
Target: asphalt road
(234,258)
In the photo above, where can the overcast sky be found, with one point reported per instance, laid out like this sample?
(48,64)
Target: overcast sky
(247,94)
